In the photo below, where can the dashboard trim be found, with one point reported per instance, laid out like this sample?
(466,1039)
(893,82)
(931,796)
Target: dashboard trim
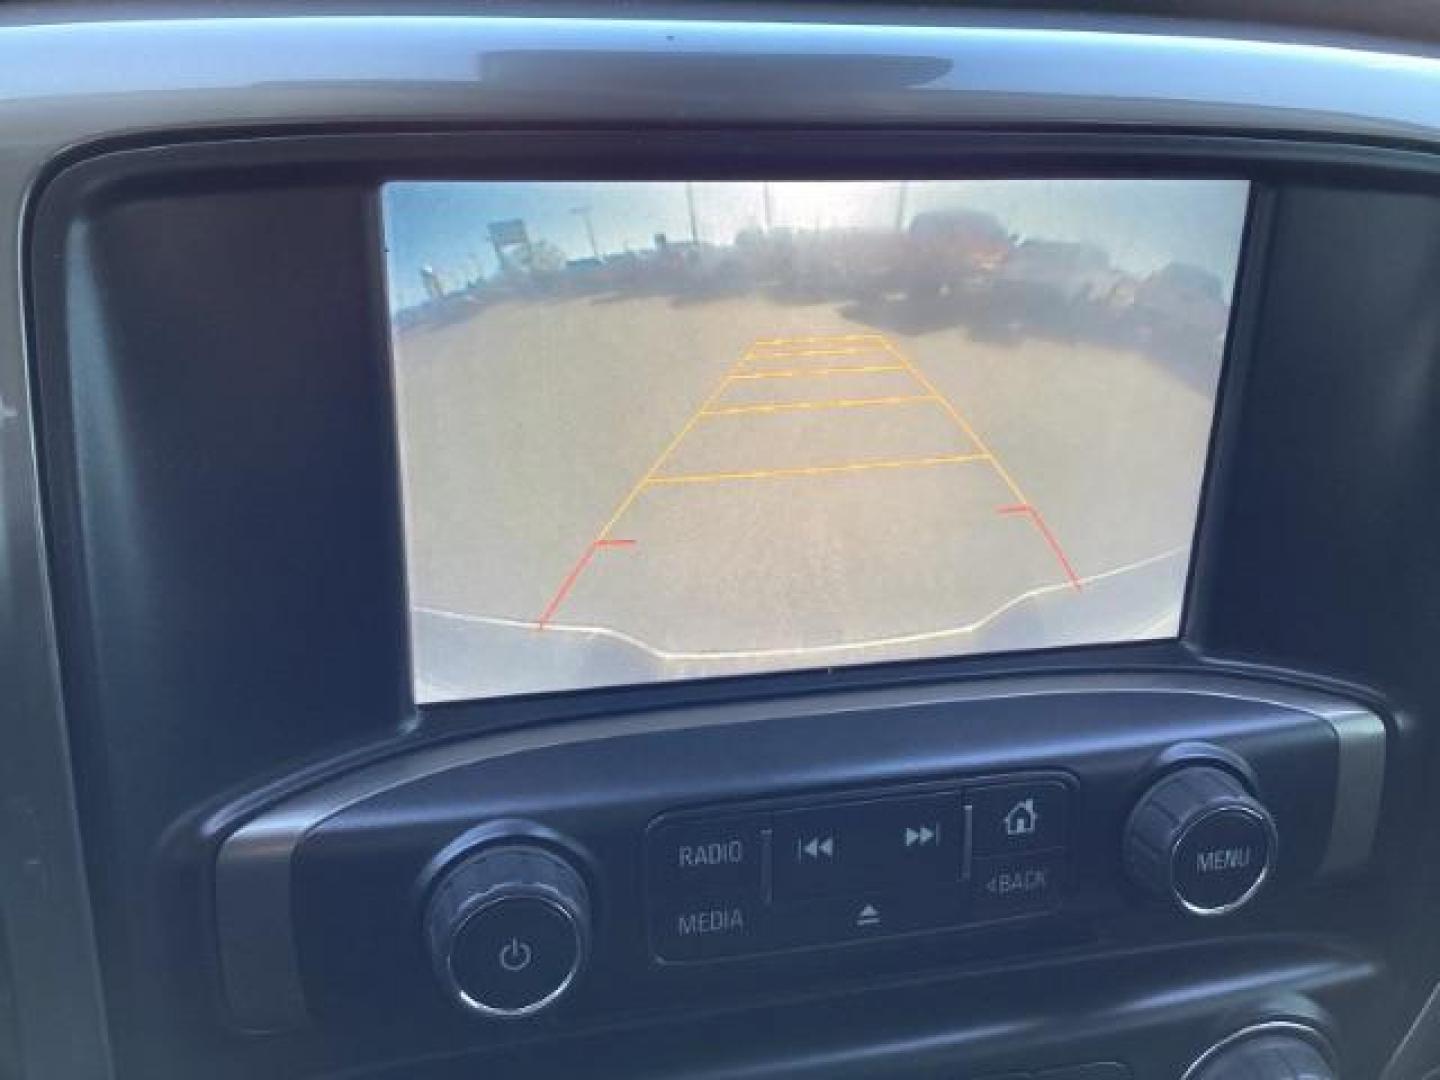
(316,68)
(253,873)
(1360,783)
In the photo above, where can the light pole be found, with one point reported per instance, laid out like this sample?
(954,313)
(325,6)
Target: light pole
(900,201)
(584,212)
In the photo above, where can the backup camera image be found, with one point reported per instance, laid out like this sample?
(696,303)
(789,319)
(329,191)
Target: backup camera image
(667,430)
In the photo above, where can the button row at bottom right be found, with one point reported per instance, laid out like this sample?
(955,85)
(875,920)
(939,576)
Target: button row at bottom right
(1016,885)
(998,889)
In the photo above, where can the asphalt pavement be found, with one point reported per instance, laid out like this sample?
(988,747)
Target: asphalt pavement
(604,491)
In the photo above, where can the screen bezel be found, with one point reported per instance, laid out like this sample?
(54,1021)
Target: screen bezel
(358,163)
(772,156)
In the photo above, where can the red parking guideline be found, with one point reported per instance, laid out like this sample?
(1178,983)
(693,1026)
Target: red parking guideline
(1039,523)
(574,575)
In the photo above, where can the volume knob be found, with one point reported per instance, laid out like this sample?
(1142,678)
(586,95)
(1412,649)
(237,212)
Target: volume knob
(1199,838)
(508,930)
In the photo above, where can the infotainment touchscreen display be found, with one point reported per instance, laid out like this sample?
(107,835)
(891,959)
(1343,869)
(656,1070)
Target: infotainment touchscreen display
(661,430)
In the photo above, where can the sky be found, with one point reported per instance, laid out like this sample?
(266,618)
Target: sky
(1143,224)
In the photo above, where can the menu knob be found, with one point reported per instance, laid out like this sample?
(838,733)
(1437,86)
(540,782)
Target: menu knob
(1200,838)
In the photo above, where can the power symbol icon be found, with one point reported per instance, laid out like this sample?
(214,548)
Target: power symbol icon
(515,955)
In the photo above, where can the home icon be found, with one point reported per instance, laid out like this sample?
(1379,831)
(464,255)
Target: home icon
(1022,819)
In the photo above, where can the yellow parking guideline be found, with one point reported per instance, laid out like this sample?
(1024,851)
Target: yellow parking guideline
(854,369)
(819,337)
(817,470)
(791,354)
(964,424)
(837,403)
(664,454)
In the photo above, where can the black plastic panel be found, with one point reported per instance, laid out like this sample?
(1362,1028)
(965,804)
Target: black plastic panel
(1339,441)
(9,1043)
(357,871)
(1002,1021)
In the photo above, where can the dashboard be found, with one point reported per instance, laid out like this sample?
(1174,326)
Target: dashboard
(716,545)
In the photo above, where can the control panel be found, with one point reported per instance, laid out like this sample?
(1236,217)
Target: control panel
(606,869)
(867,865)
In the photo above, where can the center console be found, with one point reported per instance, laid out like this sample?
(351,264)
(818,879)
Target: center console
(649,865)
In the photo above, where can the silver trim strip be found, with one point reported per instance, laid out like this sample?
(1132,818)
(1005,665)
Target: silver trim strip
(253,882)
(69,82)
(1359,788)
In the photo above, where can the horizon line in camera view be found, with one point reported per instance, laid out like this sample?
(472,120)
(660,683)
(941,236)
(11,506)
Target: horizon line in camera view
(945,417)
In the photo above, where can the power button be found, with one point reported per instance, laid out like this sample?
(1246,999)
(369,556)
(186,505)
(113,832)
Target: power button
(507,930)
(514,954)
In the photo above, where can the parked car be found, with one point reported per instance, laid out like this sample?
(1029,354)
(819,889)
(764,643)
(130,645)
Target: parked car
(952,251)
